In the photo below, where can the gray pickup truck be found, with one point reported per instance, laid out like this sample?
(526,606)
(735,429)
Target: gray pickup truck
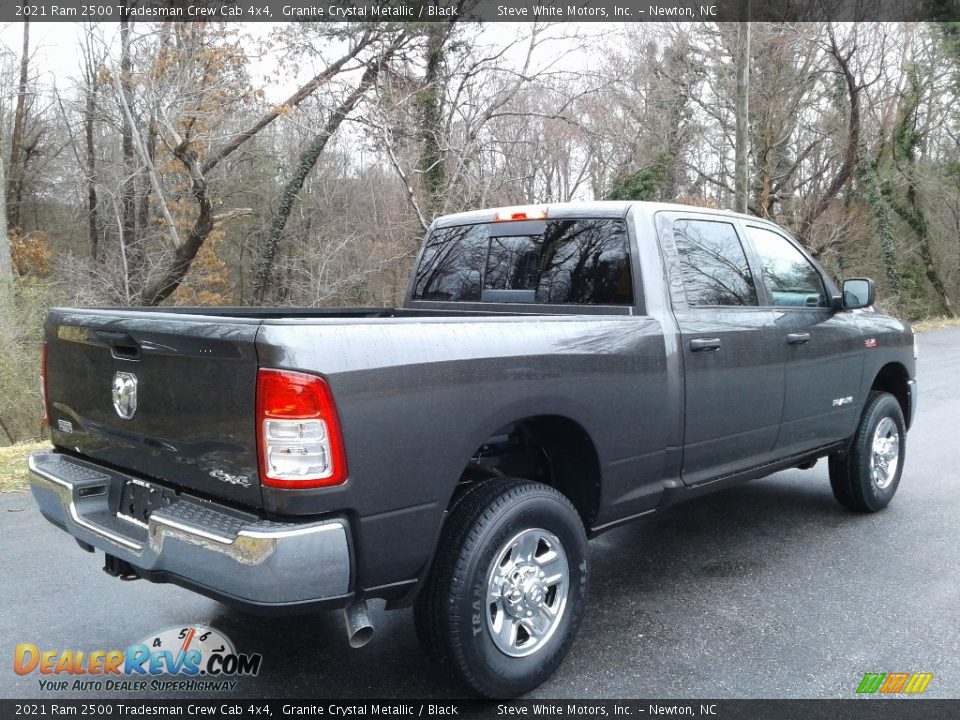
(554,372)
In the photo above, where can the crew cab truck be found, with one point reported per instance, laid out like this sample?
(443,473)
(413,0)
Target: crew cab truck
(554,372)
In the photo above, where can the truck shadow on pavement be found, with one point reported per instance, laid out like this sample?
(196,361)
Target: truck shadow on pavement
(677,575)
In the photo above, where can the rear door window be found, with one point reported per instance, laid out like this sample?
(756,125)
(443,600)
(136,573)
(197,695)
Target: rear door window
(582,261)
(713,263)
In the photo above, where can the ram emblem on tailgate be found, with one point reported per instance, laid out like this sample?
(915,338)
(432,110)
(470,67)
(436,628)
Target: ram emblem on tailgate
(125,394)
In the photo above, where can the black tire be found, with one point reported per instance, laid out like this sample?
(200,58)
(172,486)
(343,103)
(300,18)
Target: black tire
(851,475)
(452,615)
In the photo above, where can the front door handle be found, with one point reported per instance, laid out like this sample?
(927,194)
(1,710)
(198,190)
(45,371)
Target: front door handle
(798,338)
(702,344)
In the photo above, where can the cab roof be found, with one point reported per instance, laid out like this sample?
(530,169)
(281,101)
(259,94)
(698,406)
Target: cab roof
(591,208)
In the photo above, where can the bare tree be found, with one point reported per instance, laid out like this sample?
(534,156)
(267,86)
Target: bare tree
(308,159)
(185,146)
(20,148)
(6,263)
(907,137)
(742,171)
(90,155)
(130,239)
(842,53)
(438,126)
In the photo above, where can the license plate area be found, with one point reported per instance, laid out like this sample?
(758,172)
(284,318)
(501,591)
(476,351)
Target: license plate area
(139,498)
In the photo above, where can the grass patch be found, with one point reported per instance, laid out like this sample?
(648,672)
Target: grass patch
(937,323)
(13,465)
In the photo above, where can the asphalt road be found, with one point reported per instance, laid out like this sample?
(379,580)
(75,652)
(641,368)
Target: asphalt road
(766,590)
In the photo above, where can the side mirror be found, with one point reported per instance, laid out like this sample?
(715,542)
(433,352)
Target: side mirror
(858,293)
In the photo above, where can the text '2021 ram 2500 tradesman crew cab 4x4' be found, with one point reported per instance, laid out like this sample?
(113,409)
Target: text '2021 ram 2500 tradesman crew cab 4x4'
(554,372)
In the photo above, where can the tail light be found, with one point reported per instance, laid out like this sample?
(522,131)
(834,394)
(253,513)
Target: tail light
(298,431)
(43,384)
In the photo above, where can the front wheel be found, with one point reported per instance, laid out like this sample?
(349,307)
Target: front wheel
(866,477)
(508,586)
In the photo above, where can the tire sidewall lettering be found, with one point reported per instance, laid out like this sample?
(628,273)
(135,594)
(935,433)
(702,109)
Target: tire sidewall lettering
(480,645)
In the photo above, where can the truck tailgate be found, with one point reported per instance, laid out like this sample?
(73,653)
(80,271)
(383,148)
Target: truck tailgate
(168,397)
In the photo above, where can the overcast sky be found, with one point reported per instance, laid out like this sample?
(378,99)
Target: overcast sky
(55,56)
(54,47)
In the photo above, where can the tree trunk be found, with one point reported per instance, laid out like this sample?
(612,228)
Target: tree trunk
(6,267)
(918,221)
(128,189)
(293,101)
(93,211)
(308,159)
(184,254)
(741,167)
(913,214)
(852,155)
(173,274)
(433,172)
(144,183)
(15,177)
(906,137)
(6,263)
(871,189)
(933,274)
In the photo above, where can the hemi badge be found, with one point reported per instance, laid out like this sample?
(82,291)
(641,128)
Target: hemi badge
(871,343)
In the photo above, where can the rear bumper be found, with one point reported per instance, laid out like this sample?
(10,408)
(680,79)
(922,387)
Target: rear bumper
(218,551)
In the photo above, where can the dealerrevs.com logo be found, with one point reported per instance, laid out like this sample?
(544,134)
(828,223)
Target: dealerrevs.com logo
(181,658)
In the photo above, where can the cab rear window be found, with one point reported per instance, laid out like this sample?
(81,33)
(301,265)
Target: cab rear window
(582,261)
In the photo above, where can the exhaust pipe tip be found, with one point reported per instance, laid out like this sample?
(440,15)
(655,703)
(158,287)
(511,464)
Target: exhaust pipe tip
(361,637)
(359,625)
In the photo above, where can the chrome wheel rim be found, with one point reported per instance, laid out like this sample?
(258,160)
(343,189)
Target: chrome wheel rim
(527,592)
(885,453)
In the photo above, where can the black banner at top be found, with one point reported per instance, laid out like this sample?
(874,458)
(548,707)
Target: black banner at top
(241,709)
(626,11)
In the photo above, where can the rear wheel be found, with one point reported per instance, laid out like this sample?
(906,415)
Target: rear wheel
(867,476)
(507,590)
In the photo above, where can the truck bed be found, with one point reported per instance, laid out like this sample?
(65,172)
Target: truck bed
(415,309)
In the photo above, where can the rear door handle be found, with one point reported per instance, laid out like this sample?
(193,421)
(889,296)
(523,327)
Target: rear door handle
(798,338)
(702,344)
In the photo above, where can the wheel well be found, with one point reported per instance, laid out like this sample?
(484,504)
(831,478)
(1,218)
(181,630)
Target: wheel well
(547,448)
(893,379)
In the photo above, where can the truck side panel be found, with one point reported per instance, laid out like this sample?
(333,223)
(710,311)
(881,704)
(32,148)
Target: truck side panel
(417,398)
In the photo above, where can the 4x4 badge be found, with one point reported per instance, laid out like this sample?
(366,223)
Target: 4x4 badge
(125,394)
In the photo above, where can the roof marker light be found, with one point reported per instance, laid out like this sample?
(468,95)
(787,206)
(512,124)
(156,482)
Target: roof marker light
(520,212)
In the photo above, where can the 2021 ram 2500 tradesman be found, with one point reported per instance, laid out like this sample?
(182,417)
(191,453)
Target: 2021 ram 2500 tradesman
(554,372)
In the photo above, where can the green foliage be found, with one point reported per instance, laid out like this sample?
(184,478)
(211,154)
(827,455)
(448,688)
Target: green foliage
(952,171)
(906,136)
(870,190)
(643,184)
(428,101)
(914,282)
(917,299)
(950,40)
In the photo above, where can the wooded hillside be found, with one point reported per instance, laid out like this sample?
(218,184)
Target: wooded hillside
(161,171)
